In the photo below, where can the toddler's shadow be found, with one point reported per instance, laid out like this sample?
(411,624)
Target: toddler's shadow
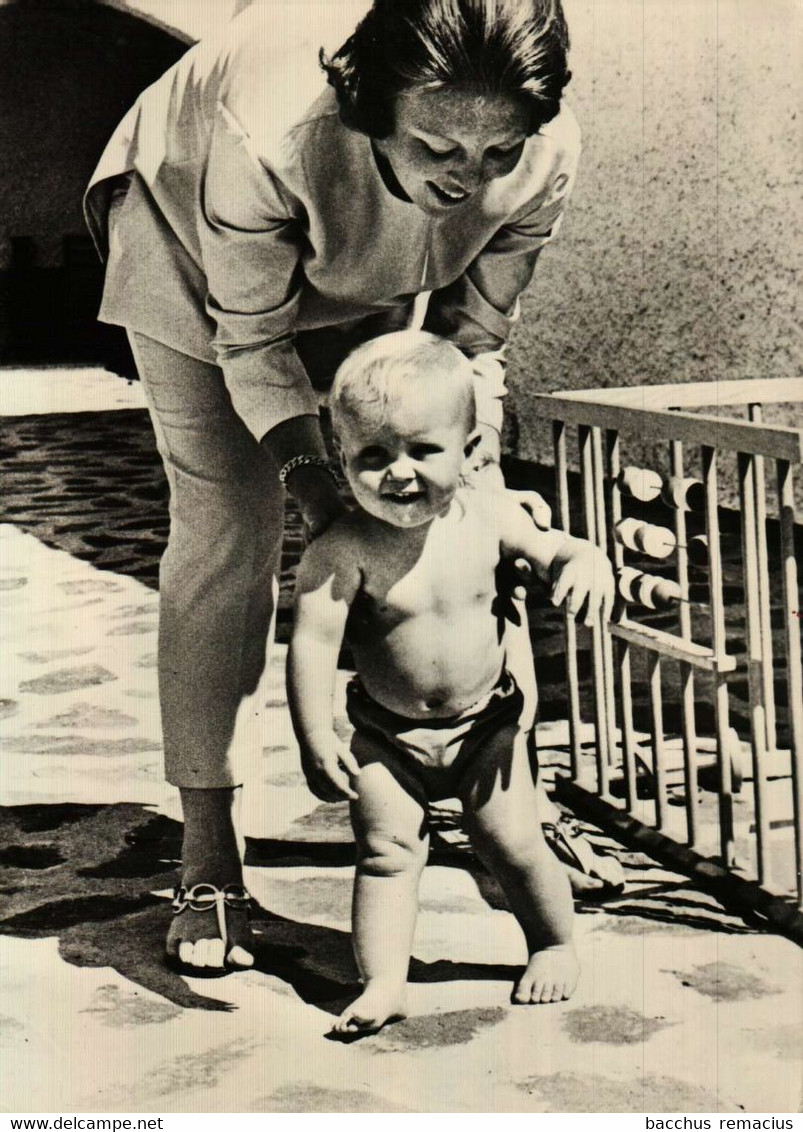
(87,874)
(318,962)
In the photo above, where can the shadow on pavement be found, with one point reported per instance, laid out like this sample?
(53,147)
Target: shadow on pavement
(87,874)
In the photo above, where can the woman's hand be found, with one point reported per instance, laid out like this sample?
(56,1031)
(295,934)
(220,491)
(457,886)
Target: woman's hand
(317,496)
(311,485)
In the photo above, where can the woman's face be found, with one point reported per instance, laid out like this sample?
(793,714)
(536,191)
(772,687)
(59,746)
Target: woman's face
(449,144)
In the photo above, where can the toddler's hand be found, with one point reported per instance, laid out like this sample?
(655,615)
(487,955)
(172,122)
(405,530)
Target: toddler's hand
(329,768)
(584,580)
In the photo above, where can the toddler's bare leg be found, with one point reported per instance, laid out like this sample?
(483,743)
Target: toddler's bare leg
(392,844)
(501,814)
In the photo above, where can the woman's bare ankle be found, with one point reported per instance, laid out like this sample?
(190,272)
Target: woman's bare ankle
(211,848)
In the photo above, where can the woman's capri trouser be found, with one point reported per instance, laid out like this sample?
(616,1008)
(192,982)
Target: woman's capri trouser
(218,575)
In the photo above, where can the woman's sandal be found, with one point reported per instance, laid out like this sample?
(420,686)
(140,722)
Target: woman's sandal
(592,874)
(209,898)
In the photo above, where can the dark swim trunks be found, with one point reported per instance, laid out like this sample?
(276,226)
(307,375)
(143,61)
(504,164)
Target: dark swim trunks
(430,757)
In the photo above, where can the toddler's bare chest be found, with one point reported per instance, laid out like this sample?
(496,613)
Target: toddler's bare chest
(449,577)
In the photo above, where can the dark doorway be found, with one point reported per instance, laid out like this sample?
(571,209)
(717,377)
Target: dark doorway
(69,69)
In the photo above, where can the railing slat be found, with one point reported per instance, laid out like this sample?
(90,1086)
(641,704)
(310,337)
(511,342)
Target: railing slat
(695,394)
(686,670)
(759,484)
(794,667)
(756,657)
(598,671)
(726,831)
(690,428)
(688,652)
(600,518)
(658,744)
(623,687)
(629,745)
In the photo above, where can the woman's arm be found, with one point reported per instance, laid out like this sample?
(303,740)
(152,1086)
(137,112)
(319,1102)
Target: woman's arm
(251,244)
(250,234)
(478,309)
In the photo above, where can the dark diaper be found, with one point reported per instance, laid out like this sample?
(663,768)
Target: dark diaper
(430,756)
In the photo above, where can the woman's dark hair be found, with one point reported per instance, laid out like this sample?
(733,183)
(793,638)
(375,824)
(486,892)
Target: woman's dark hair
(514,47)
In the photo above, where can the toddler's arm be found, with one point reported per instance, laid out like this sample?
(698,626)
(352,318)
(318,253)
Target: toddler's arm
(326,585)
(579,571)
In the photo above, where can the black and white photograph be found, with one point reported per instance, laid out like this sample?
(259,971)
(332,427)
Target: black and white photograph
(401,511)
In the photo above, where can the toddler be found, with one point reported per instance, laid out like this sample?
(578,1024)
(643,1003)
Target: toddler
(436,711)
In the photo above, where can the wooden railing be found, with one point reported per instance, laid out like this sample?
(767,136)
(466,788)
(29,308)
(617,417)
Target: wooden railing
(629,763)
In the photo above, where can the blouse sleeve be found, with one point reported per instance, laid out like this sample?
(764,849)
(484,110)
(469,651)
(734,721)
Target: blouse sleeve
(250,231)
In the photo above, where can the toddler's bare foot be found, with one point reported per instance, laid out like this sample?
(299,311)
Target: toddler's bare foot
(550,976)
(378,1004)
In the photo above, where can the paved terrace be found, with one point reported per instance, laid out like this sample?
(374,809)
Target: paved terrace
(682,1007)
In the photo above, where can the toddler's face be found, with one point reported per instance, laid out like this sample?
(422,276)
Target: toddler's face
(404,462)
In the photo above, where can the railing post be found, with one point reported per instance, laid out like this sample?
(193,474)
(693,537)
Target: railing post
(686,670)
(719,645)
(624,686)
(597,663)
(658,743)
(760,492)
(599,625)
(756,661)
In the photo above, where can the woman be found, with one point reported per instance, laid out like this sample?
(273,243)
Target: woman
(258,223)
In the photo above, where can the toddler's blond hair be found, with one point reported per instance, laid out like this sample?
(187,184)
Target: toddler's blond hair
(393,367)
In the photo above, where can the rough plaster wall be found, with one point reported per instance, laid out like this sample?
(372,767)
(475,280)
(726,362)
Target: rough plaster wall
(678,256)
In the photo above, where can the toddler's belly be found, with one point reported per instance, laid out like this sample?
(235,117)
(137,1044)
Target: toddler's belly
(429,671)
